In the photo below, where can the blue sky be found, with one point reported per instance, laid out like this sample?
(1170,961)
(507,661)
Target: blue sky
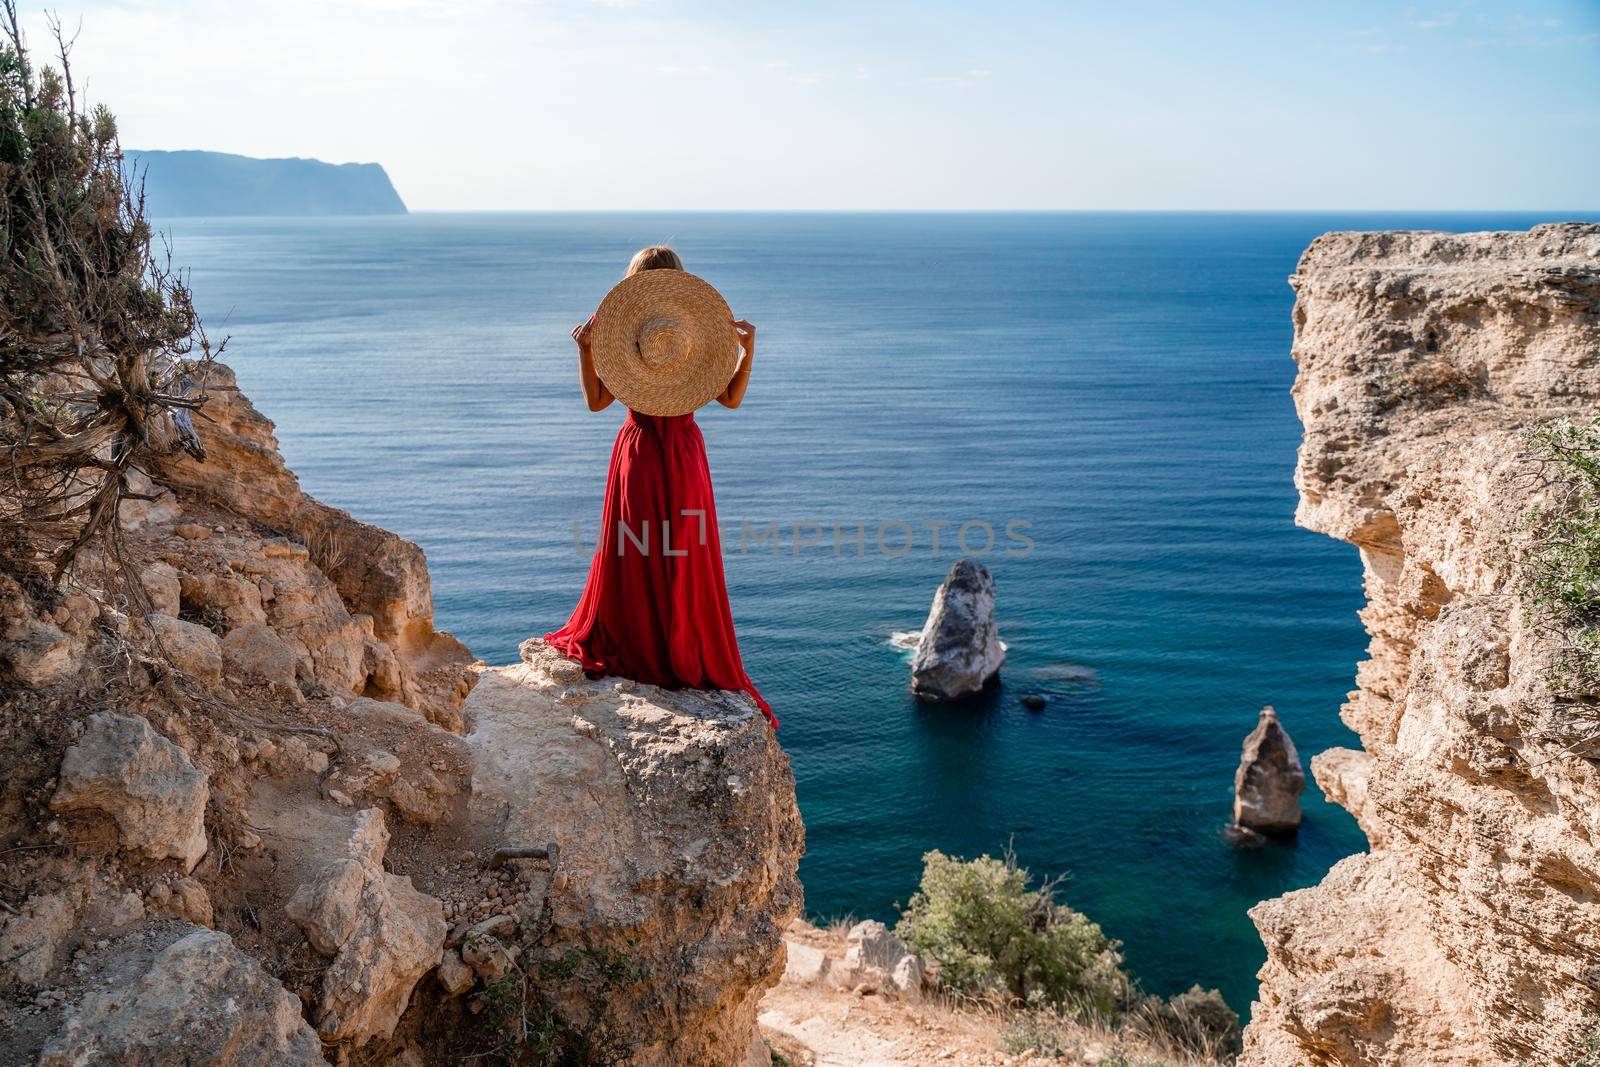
(661,104)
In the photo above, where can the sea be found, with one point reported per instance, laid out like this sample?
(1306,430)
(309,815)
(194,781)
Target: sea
(1096,405)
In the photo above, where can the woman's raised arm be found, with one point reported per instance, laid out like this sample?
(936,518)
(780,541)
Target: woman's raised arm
(595,393)
(733,395)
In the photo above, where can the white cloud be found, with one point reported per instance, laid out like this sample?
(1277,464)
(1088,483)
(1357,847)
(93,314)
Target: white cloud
(1434,22)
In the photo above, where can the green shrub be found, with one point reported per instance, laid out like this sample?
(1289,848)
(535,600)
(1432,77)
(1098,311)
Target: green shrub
(993,935)
(1586,1052)
(1560,572)
(530,1018)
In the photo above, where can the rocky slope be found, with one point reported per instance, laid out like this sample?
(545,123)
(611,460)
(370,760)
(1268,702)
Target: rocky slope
(1470,933)
(257,810)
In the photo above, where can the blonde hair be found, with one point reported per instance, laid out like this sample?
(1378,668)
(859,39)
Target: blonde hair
(656,257)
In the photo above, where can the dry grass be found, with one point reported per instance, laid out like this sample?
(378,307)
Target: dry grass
(1054,1035)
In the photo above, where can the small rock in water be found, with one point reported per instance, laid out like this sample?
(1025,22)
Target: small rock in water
(1243,837)
(1034,702)
(1268,784)
(960,648)
(1074,673)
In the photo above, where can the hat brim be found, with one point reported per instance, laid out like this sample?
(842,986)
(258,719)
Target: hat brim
(692,306)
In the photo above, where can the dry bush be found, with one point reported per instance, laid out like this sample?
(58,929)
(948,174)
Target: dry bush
(99,339)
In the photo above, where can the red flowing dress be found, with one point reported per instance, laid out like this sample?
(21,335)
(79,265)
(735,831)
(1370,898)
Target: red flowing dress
(655,607)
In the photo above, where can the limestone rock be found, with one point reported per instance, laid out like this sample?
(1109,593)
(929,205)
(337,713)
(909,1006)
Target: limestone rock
(146,783)
(1343,774)
(960,649)
(326,908)
(238,579)
(679,840)
(1470,933)
(135,515)
(256,651)
(420,797)
(552,664)
(194,650)
(220,593)
(805,964)
(383,934)
(1269,781)
(385,709)
(164,588)
(398,940)
(38,653)
(36,938)
(877,957)
(184,899)
(112,912)
(417,766)
(200,1002)
(376,573)
(35,651)
(454,974)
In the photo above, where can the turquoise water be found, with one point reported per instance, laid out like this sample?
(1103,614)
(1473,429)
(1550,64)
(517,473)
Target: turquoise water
(1118,382)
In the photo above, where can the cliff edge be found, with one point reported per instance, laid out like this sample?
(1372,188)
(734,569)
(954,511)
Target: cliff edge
(258,810)
(1470,932)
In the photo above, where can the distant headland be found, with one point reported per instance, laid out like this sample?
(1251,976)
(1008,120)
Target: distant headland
(218,183)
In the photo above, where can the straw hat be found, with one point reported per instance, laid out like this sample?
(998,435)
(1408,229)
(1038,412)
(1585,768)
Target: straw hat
(663,342)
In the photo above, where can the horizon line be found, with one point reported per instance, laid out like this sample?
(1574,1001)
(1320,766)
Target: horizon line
(999,211)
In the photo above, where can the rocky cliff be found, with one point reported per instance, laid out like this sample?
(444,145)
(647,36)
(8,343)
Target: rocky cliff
(1470,932)
(220,183)
(257,810)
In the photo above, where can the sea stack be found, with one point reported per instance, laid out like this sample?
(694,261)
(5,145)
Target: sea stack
(1268,784)
(960,648)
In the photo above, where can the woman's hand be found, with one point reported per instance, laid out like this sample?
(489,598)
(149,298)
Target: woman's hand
(580,333)
(747,335)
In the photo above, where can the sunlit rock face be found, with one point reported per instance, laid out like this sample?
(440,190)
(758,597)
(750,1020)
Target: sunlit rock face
(1470,933)
(959,650)
(679,839)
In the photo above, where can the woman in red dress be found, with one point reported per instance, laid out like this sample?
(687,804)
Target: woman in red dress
(655,607)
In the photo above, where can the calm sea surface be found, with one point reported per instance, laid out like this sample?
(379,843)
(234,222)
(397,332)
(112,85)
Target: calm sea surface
(1118,382)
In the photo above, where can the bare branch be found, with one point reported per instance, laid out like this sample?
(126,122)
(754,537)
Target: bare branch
(102,355)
